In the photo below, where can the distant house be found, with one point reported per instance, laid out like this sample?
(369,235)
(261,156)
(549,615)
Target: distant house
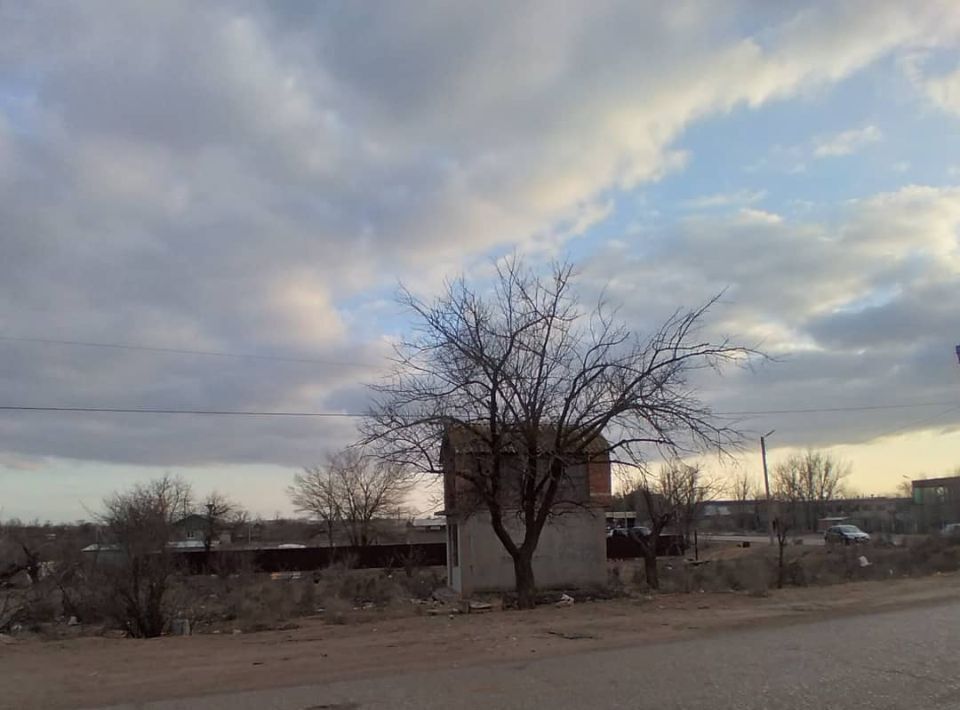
(572,547)
(426,530)
(936,502)
(191,527)
(191,531)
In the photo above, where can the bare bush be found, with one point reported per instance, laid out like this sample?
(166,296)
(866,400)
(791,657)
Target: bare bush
(139,524)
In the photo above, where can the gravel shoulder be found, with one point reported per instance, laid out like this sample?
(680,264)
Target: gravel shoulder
(91,672)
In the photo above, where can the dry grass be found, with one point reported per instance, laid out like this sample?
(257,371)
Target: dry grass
(255,602)
(248,601)
(754,570)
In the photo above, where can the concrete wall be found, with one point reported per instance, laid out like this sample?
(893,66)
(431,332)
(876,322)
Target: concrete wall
(572,553)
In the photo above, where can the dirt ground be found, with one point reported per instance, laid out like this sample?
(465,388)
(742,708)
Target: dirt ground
(88,672)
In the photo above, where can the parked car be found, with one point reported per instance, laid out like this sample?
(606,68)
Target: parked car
(846,535)
(951,530)
(623,543)
(634,532)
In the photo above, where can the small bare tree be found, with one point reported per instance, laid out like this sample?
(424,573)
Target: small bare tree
(367,489)
(740,487)
(904,488)
(781,527)
(686,489)
(674,497)
(742,490)
(139,523)
(540,381)
(314,492)
(218,512)
(352,489)
(654,509)
(804,482)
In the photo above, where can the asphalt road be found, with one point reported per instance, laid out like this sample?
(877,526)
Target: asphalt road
(901,659)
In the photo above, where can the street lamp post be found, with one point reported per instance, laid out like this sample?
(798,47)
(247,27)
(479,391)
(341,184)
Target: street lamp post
(766,483)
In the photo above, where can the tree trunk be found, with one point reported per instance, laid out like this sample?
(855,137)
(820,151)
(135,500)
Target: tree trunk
(650,568)
(525,583)
(780,567)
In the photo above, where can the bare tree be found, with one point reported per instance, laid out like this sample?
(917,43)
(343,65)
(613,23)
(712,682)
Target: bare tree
(904,488)
(540,381)
(352,489)
(218,513)
(673,497)
(781,527)
(743,490)
(686,489)
(804,482)
(314,492)
(139,523)
(366,489)
(740,486)
(653,508)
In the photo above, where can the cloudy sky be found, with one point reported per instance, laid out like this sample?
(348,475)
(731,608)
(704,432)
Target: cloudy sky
(255,179)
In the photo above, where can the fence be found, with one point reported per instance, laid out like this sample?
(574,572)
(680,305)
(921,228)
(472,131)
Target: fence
(425,554)
(310,558)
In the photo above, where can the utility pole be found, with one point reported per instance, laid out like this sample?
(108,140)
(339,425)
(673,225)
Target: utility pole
(766,483)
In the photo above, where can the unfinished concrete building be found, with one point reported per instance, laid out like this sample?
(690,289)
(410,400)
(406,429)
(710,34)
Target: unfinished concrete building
(572,547)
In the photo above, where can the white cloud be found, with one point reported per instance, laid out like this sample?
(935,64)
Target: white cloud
(726,199)
(247,177)
(854,306)
(944,91)
(748,215)
(846,142)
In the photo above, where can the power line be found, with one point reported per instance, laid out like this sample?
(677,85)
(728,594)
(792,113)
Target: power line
(249,413)
(177,351)
(216,412)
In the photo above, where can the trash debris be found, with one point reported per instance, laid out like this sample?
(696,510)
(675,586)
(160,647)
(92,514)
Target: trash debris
(73,621)
(864,562)
(180,627)
(565,600)
(445,595)
(478,607)
(571,635)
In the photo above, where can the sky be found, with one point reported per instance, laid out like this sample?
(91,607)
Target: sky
(257,179)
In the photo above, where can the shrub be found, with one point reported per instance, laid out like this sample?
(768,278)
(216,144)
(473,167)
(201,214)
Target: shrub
(423,583)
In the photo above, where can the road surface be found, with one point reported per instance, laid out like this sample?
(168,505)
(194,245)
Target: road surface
(892,660)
